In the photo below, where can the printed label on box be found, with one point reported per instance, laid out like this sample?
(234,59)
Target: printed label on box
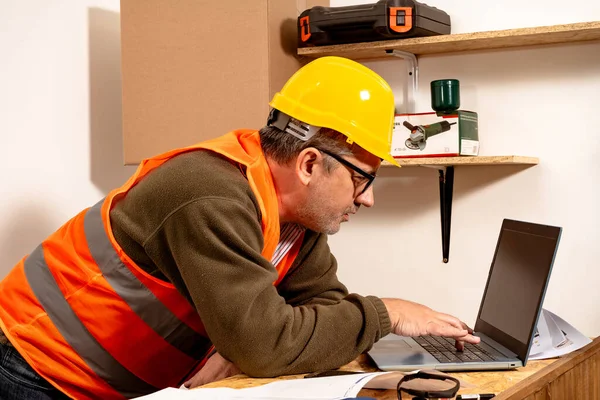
(430,135)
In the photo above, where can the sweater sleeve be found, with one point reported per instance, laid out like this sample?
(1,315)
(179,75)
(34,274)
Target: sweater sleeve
(249,322)
(312,279)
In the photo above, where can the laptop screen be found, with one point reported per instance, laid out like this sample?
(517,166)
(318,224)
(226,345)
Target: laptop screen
(517,283)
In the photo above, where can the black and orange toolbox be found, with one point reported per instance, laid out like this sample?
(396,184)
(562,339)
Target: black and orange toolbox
(386,19)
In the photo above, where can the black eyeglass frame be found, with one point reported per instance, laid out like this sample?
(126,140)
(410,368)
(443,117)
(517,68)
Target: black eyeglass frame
(428,394)
(353,167)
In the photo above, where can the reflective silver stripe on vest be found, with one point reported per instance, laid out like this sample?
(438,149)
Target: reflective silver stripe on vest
(141,300)
(51,298)
(287,237)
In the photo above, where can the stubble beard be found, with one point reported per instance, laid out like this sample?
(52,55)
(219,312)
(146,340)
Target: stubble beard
(313,217)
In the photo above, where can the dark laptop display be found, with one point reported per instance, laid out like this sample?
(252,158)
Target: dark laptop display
(519,275)
(509,310)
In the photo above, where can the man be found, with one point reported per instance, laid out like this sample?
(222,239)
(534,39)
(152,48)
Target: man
(213,259)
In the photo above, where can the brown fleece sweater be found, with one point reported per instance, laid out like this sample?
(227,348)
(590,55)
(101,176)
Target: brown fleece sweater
(195,222)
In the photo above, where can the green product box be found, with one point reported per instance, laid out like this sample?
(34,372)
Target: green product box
(435,135)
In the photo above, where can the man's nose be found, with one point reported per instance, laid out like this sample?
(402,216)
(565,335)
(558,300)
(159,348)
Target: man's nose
(367,198)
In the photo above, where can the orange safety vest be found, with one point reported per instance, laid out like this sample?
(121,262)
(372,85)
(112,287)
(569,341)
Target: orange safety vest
(97,326)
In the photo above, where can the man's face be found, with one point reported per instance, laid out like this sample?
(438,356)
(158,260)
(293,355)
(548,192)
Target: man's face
(335,196)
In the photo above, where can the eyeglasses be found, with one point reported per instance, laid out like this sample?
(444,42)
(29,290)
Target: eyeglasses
(369,177)
(422,387)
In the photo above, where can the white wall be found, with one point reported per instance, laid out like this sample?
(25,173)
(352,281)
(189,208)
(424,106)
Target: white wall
(534,102)
(60,115)
(60,133)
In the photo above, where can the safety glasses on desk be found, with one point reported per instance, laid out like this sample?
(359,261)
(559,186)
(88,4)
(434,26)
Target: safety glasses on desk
(446,389)
(423,385)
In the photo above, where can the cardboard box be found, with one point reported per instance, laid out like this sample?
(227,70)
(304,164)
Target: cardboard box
(196,69)
(430,135)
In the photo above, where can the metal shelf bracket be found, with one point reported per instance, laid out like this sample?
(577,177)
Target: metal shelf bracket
(413,77)
(446,188)
(446,181)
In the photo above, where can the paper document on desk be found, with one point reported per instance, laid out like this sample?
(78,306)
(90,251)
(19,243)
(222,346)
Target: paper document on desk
(555,337)
(329,388)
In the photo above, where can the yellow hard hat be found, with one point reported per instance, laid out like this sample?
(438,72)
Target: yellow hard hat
(343,95)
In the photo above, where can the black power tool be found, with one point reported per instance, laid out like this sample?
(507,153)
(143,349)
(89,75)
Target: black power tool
(420,133)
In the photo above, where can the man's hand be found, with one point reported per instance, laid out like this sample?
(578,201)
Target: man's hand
(215,368)
(412,319)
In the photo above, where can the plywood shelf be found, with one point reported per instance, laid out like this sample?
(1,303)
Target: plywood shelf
(457,161)
(578,32)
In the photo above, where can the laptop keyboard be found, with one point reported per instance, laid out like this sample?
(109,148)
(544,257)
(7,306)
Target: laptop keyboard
(444,351)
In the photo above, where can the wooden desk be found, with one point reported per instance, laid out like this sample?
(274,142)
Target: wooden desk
(573,377)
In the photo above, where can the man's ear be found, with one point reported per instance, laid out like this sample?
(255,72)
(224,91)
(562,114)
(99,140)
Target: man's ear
(306,162)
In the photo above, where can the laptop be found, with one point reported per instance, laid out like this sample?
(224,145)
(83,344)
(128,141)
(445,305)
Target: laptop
(508,312)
